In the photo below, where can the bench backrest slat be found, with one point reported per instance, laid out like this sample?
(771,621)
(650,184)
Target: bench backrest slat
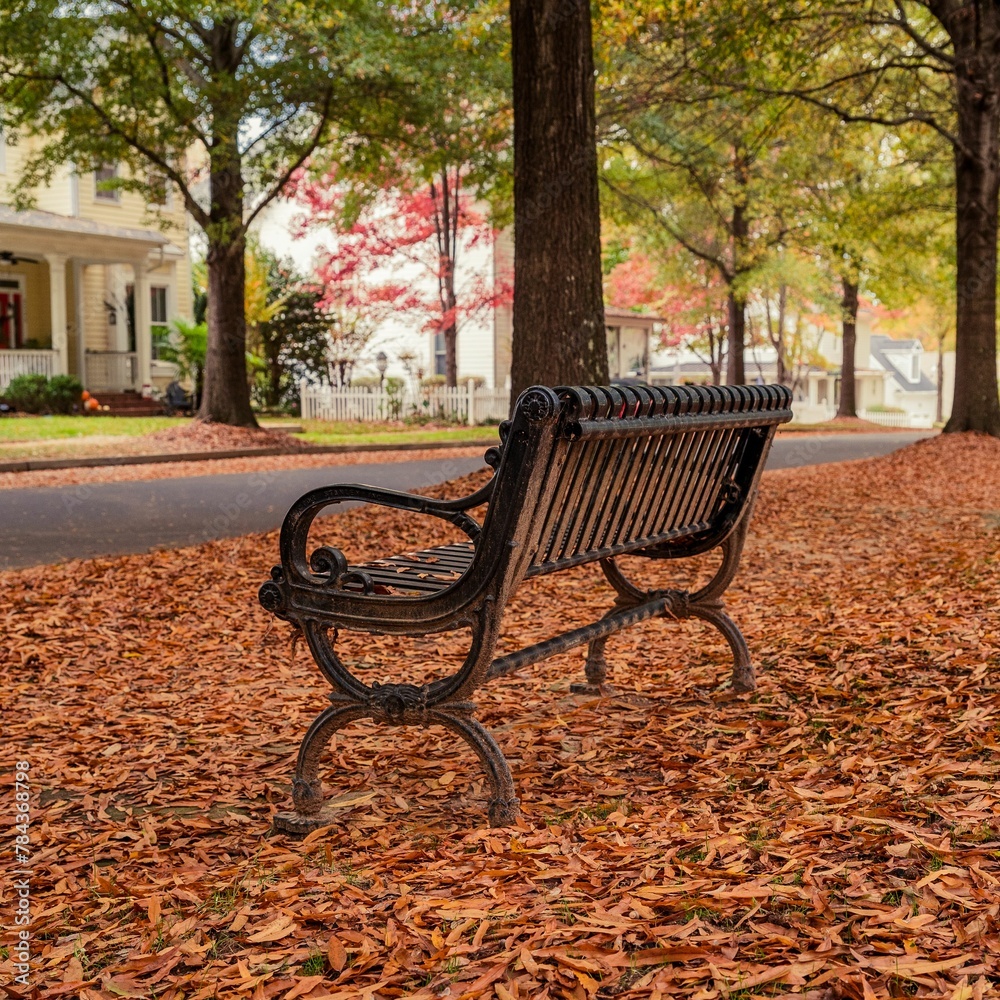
(632,468)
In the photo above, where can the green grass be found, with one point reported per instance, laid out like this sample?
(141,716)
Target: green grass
(27,429)
(83,437)
(18,429)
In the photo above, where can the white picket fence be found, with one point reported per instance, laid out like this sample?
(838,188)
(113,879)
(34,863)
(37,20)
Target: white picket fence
(888,419)
(463,404)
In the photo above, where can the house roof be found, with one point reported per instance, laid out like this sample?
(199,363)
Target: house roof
(767,370)
(882,349)
(36,219)
(614,315)
(35,231)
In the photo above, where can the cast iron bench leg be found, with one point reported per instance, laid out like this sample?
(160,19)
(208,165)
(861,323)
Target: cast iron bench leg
(705,604)
(442,703)
(743,678)
(308,798)
(595,670)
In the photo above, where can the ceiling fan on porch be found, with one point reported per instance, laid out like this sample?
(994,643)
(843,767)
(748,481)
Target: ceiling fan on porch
(9,258)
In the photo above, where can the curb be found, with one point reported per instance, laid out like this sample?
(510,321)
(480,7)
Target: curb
(38,464)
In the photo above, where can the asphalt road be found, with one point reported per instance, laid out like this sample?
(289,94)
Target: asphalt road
(53,524)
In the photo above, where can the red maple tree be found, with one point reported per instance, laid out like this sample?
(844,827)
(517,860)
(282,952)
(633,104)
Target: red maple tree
(685,291)
(400,253)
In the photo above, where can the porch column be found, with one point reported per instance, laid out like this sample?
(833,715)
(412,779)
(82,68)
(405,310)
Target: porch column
(78,322)
(143,337)
(57,311)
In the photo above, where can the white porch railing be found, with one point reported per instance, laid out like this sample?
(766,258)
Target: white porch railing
(462,404)
(111,371)
(884,419)
(14,363)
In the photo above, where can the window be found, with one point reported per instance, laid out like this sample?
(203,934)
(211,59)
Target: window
(158,304)
(915,371)
(159,331)
(440,356)
(103,176)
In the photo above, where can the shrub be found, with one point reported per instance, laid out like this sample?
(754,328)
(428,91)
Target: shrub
(27,393)
(38,394)
(63,393)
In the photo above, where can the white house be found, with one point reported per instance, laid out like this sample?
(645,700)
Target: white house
(89,280)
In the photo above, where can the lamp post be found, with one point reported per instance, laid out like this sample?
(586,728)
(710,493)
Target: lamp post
(381,363)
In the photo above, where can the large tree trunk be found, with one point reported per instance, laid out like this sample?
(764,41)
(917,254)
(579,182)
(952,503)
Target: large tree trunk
(226,398)
(849,320)
(975,34)
(735,370)
(559,335)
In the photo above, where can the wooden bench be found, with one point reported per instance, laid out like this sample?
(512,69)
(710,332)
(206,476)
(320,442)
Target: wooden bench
(581,475)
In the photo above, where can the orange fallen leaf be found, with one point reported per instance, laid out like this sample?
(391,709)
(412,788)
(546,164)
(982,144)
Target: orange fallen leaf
(274,931)
(335,954)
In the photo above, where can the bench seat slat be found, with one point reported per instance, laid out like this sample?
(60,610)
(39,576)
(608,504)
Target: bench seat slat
(422,571)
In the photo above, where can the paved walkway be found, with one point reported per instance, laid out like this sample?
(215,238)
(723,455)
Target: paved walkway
(50,525)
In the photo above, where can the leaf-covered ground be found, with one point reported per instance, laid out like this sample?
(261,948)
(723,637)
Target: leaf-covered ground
(836,834)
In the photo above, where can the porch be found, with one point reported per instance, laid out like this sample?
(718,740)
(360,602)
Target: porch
(84,298)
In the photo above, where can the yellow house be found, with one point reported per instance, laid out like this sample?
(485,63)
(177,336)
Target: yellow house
(90,280)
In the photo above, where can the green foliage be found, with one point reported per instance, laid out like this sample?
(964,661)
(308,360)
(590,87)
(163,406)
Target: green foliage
(38,394)
(293,341)
(63,393)
(314,965)
(238,94)
(27,393)
(715,153)
(188,351)
(162,88)
(199,291)
(454,60)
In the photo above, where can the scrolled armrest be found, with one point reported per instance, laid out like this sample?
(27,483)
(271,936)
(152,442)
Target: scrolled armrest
(327,566)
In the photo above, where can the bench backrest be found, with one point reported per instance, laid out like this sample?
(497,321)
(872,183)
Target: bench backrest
(602,471)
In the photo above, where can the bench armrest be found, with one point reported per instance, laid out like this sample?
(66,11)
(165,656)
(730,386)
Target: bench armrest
(329,563)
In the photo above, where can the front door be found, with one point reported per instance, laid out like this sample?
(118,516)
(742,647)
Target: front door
(11,316)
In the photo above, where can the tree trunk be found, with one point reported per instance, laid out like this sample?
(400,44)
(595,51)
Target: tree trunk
(940,379)
(274,378)
(735,365)
(975,34)
(451,356)
(559,335)
(735,370)
(446,224)
(781,373)
(849,320)
(226,395)
(226,398)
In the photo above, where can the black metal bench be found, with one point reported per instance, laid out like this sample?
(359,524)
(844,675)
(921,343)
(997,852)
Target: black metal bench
(582,475)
